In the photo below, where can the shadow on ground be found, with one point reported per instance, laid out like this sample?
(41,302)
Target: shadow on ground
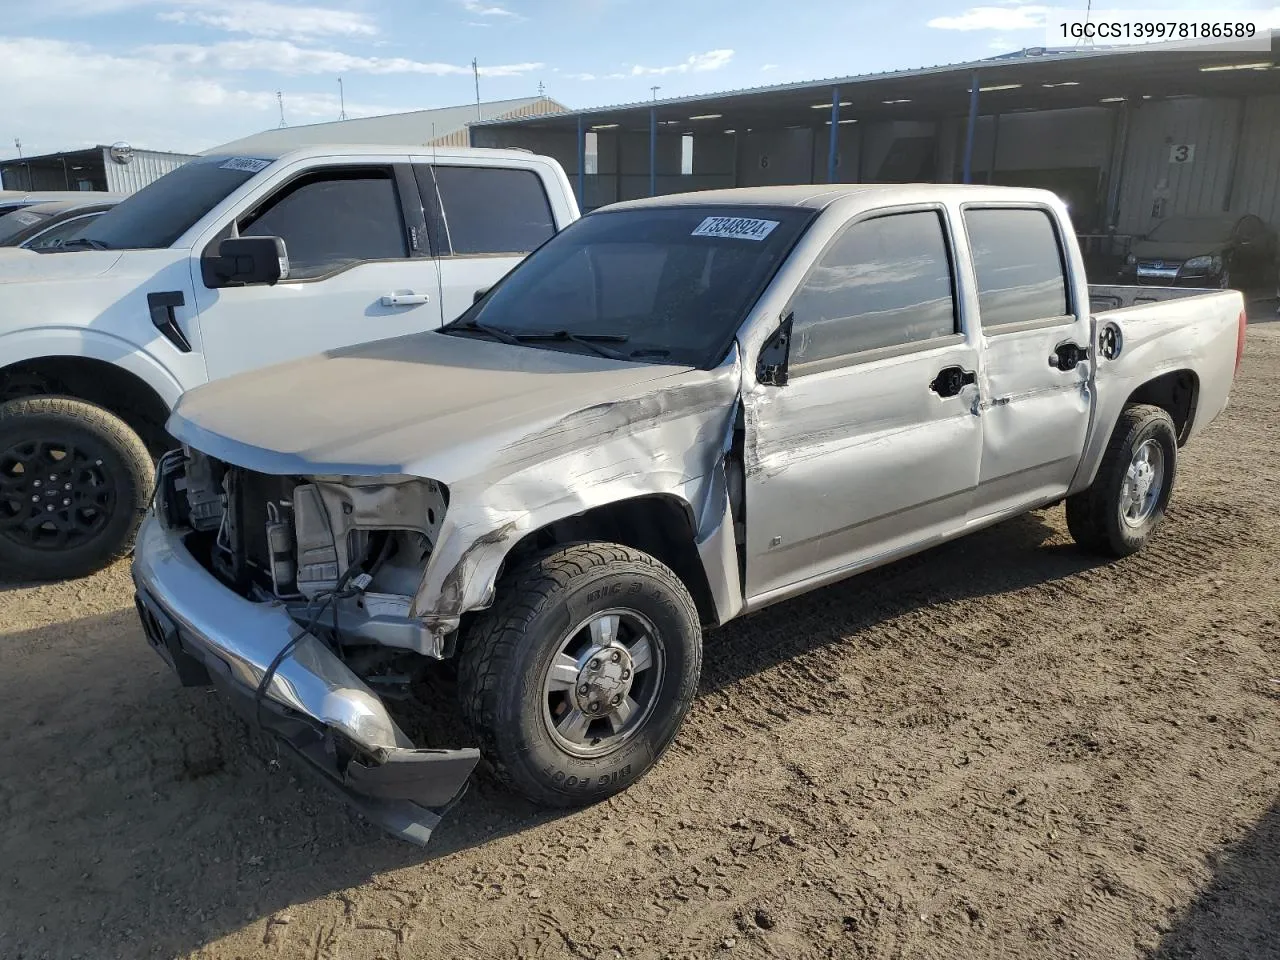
(1235,916)
(149,818)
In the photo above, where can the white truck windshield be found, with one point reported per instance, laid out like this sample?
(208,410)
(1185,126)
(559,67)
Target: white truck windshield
(157,215)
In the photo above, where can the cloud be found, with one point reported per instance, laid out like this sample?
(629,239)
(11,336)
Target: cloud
(1019,17)
(60,95)
(697,63)
(768,66)
(262,18)
(281,56)
(479,8)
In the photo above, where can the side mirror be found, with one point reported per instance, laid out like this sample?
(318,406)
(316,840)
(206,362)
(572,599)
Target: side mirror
(245,261)
(775,355)
(479,295)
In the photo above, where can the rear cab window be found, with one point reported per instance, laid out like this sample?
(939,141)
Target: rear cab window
(1020,267)
(886,281)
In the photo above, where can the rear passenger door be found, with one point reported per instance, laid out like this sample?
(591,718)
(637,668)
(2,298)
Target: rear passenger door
(483,220)
(872,446)
(1035,400)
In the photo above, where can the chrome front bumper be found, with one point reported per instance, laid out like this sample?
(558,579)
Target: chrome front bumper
(314,703)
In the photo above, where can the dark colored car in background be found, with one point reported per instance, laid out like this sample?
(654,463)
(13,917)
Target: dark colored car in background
(46,226)
(1228,250)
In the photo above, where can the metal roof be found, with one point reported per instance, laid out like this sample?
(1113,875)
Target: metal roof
(414,126)
(1054,78)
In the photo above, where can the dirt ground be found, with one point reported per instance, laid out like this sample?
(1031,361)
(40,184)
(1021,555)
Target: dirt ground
(997,749)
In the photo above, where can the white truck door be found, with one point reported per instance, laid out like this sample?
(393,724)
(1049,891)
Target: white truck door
(873,445)
(483,220)
(1036,391)
(359,269)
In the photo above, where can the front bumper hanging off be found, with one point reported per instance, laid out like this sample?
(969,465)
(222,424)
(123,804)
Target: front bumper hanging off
(314,703)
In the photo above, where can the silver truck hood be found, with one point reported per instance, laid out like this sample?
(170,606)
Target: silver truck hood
(430,405)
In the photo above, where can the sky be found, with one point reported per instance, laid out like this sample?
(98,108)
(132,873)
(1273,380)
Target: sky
(186,75)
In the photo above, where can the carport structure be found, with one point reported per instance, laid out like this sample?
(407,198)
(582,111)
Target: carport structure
(1096,125)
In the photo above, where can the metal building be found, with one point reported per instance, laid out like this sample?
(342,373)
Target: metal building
(116,169)
(444,127)
(1125,136)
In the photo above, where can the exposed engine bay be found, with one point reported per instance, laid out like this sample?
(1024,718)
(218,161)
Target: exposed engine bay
(344,554)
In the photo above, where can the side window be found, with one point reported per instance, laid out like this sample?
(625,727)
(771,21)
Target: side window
(1019,265)
(56,236)
(333,218)
(493,210)
(882,283)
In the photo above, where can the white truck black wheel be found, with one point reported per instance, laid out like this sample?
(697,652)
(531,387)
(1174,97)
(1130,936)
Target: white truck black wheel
(1121,510)
(74,485)
(576,681)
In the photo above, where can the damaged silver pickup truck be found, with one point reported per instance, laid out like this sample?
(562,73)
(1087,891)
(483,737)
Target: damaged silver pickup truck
(675,412)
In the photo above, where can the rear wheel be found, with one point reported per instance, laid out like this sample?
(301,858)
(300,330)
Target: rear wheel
(1121,510)
(576,681)
(74,484)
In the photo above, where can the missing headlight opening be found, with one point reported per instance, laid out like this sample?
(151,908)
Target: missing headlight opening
(292,540)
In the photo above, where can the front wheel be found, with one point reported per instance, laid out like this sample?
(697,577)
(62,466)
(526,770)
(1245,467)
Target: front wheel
(1121,510)
(577,679)
(74,484)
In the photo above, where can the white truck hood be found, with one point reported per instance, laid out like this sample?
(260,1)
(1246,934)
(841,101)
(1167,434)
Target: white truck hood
(26,266)
(432,405)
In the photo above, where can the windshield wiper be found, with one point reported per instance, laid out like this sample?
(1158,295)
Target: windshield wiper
(591,341)
(496,332)
(83,242)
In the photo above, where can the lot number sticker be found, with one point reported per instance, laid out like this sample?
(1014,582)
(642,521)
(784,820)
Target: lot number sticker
(735,228)
(247,164)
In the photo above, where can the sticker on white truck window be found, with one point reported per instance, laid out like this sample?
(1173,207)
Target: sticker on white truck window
(26,219)
(735,228)
(245,164)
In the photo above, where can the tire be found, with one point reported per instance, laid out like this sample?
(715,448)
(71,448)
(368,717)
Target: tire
(511,702)
(1107,518)
(95,460)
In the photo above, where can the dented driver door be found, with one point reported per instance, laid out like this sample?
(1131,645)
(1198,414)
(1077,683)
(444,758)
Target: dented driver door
(872,446)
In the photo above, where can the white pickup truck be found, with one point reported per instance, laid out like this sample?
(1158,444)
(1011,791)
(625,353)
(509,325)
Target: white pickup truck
(675,412)
(226,264)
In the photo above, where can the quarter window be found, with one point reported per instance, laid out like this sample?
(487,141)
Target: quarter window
(493,209)
(332,219)
(883,283)
(1019,266)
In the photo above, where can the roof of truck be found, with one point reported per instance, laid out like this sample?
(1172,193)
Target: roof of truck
(318,150)
(820,196)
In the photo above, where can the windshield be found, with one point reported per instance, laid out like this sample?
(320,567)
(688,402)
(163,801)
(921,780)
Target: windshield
(12,224)
(658,283)
(161,212)
(1194,230)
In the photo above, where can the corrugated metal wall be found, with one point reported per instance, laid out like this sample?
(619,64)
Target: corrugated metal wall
(145,167)
(1257,188)
(462,137)
(1200,186)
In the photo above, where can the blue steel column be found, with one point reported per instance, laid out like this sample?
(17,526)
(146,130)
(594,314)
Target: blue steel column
(973,127)
(582,160)
(832,153)
(653,151)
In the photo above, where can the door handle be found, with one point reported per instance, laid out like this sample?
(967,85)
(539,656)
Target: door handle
(951,380)
(1067,356)
(404,299)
